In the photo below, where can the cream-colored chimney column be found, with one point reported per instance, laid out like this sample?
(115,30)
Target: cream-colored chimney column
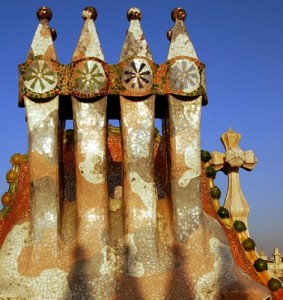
(184,131)
(137,124)
(43,128)
(90,127)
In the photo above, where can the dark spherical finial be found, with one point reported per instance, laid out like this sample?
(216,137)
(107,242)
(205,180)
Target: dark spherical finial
(134,13)
(44,13)
(89,13)
(53,34)
(178,14)
(169,34)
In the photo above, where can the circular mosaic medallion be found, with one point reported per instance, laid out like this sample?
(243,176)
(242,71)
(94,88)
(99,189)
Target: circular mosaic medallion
(184,75)
(40,77)
(89,77)
(137,75)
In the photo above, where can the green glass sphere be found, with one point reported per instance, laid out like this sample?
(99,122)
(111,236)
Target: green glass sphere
(223,213)
(239,226)
(210,172)
(274,284)
(260,265)
(215,192)
(248,244)
(205,156)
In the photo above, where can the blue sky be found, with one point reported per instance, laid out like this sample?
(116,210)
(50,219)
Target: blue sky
(241,43)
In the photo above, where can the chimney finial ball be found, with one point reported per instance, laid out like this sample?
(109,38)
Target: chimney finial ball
(89,13)
(178,14)
(44,13)
(134,13)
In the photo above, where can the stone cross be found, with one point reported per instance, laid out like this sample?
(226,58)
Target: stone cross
(230,162)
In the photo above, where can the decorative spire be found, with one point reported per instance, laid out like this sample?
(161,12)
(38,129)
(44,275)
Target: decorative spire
(88,77)
(181,44)
(88,45)
(42,43)
(135,43)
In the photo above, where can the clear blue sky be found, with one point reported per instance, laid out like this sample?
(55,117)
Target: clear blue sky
(241,43)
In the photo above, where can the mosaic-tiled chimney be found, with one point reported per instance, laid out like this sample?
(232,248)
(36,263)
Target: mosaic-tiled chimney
(118,213)
(44,127)
(90,124)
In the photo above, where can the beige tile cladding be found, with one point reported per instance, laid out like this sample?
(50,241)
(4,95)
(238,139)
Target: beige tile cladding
(139,191)
(202,268)
(43,122)
(184,122)
(91,171)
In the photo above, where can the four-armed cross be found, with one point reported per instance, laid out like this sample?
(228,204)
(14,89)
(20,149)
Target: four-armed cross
(230,162)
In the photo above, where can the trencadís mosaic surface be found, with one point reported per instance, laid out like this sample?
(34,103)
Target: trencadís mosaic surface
(119,213)
(43,77)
